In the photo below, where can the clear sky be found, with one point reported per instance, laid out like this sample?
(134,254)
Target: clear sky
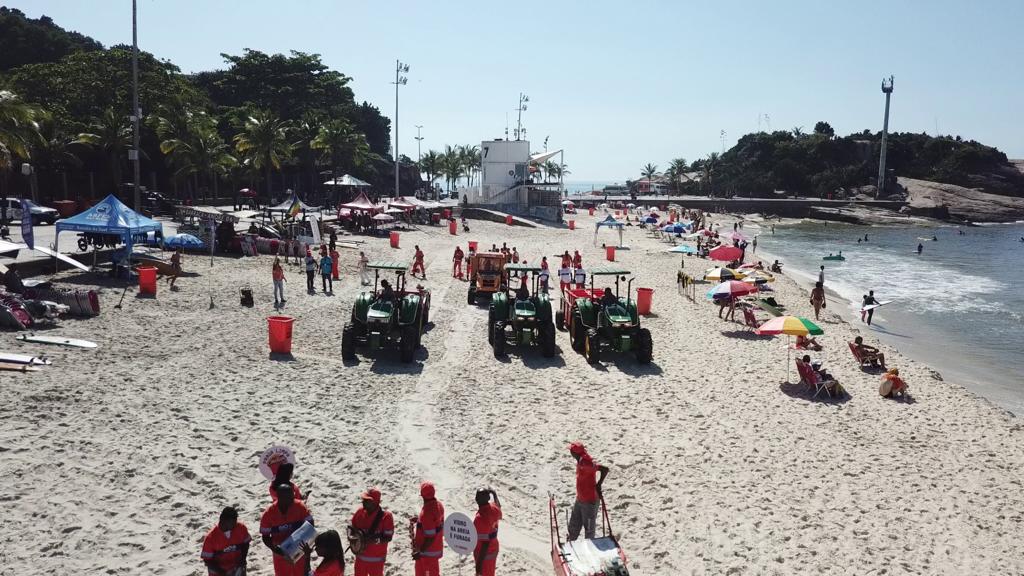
(619,84)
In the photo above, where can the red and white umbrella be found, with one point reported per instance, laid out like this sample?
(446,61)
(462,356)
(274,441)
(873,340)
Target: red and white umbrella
(726,253)
(732,289)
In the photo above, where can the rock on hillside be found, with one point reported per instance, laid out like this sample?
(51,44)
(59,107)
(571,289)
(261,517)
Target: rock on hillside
(927,198)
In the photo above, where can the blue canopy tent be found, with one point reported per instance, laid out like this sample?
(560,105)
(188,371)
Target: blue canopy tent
(609,222)
(109,216)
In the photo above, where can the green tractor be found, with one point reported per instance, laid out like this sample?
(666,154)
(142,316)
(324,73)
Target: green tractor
(593,323)
(520,321)
(380,320)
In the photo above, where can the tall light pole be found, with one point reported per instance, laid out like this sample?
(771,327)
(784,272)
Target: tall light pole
(523,99)
(419,152)
(887,90)
(133,154)
(399,81)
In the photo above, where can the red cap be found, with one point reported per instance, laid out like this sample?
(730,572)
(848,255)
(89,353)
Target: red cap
(427,490)
(371,494)
(577,449)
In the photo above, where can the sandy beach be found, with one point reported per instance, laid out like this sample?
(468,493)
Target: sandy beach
(118,460)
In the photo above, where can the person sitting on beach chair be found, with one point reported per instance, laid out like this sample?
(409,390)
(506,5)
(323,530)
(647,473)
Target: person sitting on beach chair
(776,266)
(807,343)
(867,354)
(892,384)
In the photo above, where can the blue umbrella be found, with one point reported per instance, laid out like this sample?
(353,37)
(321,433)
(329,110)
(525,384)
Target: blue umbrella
(184,241)
(683,249)
(650,220)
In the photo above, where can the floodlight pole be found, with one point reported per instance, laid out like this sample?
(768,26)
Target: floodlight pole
(887,90)
(399,81)
(134,154)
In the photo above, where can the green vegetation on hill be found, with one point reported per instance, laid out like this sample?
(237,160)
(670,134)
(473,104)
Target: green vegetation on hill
(264,121)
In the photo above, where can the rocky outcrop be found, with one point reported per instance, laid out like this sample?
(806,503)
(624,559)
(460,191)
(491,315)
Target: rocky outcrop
(960,203)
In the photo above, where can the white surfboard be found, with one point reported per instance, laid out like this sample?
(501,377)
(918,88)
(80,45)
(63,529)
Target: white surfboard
(873,306)
(24,359)
(58,340)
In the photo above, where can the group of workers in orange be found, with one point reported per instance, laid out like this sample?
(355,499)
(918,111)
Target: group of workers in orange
(226,546)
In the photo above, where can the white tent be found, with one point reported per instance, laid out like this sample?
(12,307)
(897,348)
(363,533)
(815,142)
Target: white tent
(609,222)
(347,180)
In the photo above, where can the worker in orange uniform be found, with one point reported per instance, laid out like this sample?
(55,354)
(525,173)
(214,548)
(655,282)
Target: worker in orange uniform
(469,264)
(334,264)
(485,556)
(374,527)
(588,492)
(226,546)
(417,264)
(577,260)
(283,475)
(566,260)
(457,262)
(279,520)
(427,534)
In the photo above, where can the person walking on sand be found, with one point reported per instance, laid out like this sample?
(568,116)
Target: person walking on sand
(364,275)
(427,532)
(515,255)
(278,274)
(485,556)
(589,477)
(226,546)
(868,300)
(326,267)
(175,267)
(279,520)
(335,264)
(372,527)
(818,299)
(457,262)
(310,271)
(821,275)
(417,264)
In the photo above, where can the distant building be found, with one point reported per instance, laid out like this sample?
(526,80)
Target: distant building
(510,181)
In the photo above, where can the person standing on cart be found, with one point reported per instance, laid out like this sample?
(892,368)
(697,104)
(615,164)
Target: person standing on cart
(589,477)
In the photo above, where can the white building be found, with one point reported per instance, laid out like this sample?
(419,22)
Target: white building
(508,180)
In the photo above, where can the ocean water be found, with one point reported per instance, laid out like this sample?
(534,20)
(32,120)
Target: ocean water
(585,186)
(958,307)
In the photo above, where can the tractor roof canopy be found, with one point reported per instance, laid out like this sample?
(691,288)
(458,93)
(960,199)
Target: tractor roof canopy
(608,271)
(522,268)
(490,255)
(388,265)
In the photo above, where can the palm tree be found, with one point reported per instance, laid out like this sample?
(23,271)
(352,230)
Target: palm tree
(710,165)
(341,146)
(264,140)
(111,134)
(306,130)
(649,171)
(431,164)
(470,158)
(53,152)
(18,129)
(452,166)
(676,168)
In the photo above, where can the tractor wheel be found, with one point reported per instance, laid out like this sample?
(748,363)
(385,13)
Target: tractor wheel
(407,346)
(577,332)
(490,325)
(348,342)
(471,297)
(560,321)
(592,347)
(547,340)
(644,346)
(499,339)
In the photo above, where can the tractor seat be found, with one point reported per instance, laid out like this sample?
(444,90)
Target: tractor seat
(617,315)
(380,309)
(525,309)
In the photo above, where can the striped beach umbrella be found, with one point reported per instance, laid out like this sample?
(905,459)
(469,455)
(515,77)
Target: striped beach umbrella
(731,288)
(792,326)
(723,274)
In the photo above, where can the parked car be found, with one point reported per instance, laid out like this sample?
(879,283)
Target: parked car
(40,214)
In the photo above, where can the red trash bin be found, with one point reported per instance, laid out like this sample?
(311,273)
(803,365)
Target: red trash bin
(446,213)
(394,239)
(572,224)
(609,253)
(643,300)
(452,227)
(473,245)
(280,334)
(508,219)
(591,210)
(147,280)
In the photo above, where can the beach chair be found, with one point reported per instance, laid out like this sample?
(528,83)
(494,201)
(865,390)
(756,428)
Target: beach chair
(861,360)
(810,378)
(750,319)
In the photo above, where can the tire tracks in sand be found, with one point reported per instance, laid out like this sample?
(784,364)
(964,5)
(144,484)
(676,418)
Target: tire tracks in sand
(460,324)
